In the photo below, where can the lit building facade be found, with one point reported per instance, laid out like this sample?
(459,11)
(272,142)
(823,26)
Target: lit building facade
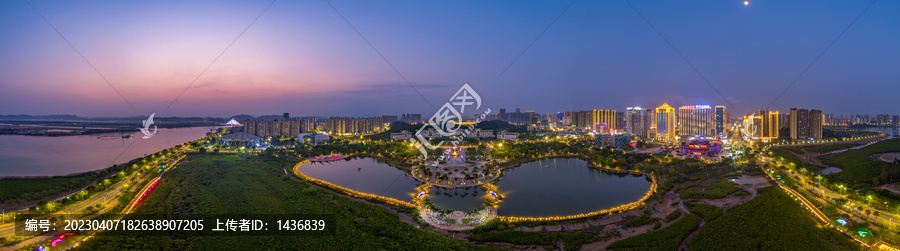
(607,117)
(721,122)
(289,127)
(762,126)
(665,123)
(696,120)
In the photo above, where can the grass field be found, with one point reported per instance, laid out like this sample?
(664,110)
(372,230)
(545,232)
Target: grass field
(217,184)
(858,165)
(830,147)
(18,189)
(668,238)
(709,212)
(771,221)
(571,240)
(715,190)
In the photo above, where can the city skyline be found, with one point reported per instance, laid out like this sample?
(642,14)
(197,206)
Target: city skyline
(304,58)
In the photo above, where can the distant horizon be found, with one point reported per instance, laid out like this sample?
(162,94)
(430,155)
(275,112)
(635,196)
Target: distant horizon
(424,116)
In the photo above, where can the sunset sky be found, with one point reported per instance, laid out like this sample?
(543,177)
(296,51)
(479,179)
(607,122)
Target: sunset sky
(302,57)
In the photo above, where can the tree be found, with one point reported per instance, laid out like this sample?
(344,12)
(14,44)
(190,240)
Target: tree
(203,150)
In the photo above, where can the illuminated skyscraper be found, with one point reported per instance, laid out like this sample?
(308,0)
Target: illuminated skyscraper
(720,120)
(762,126)
(665,123)
(607,117)
(696,120)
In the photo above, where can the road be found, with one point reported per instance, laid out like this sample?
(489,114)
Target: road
(883,218)
(108,198)
(818,214)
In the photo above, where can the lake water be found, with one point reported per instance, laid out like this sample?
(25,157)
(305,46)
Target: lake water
(830,170)
(542,188)
(556,187)
(46,156)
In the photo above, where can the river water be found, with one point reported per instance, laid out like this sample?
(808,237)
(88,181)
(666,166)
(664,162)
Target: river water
(22,155)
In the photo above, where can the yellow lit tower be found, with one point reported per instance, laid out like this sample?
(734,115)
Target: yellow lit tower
(600,117)
(665,123)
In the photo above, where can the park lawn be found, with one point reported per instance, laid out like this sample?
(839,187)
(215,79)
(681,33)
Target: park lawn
(787,155)
(858,164)
(793,149)
(644,219)
(771,221)
(709,212)
(715,190)
(239,184)
(12,189)
(830,147)
(571,241)
(517,237)
(668,238)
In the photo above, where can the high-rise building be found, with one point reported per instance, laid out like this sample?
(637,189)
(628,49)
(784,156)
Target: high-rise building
(345,125)
(585,119)
(762,126)
(720,121)
(308,124)
(569,118)
(296,127)
(389,118)
(805,124)
(287,115)
(828,119)
(665,123)
(411,118)
(883,119)
(529,118)
(815,124)
(799,124)
(784,120)
(620,121)
(249,126)
(638,122)
(600,117)
(895,121)
(696,120)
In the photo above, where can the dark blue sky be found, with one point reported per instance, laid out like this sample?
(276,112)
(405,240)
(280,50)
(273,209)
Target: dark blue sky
(305,59)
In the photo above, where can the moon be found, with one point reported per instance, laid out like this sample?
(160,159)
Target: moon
(746,2)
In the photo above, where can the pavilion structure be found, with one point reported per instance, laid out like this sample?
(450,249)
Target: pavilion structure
(232,123)
(238,139)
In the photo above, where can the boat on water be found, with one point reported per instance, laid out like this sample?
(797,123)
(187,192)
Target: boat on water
(127,136)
